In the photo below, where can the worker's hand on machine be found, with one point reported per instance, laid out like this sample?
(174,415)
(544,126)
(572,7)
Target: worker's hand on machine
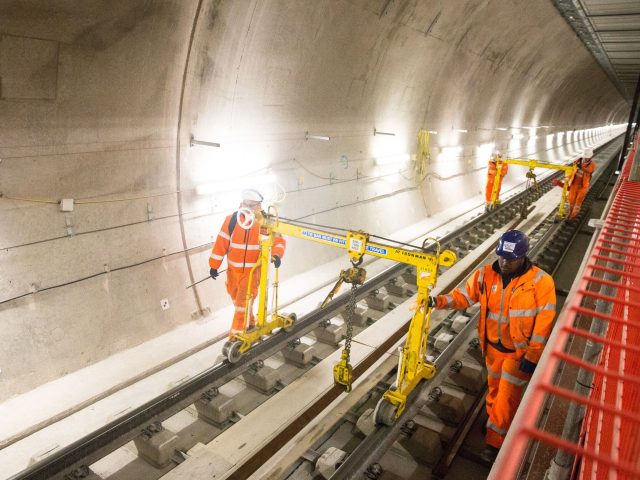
(276,261)
(432,302)
(579,163)
(214,273)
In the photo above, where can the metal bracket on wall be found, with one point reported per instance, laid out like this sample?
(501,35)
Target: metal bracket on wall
(193,142)
(68,224)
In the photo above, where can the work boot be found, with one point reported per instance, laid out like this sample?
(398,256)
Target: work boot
(489,454)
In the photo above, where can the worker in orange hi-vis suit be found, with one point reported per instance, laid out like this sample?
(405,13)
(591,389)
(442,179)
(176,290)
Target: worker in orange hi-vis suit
(491,175)
(579,182)
(517,309)
(242,248)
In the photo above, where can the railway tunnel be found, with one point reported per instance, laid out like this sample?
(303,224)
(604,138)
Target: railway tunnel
(129,130)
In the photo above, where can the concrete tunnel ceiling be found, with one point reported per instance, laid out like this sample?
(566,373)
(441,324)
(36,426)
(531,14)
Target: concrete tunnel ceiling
(99,101)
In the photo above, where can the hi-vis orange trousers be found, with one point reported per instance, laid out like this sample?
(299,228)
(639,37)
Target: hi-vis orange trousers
(237,286)
(506,387)
(576,197)
(489,189)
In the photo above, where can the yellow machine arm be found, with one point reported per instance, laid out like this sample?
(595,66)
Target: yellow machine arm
(532,164)
(413,366)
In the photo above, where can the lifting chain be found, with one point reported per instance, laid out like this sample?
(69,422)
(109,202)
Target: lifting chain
(351,311)
(532,184)
(531,178)
(342,371)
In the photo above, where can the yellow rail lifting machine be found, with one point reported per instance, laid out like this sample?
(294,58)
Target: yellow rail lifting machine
(532,164)
(412,366)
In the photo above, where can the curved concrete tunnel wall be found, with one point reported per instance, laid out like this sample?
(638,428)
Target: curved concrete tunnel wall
(99,102)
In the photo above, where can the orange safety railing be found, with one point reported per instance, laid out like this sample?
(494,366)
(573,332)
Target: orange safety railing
(607,293)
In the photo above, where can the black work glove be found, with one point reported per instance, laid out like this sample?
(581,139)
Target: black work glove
(276,261)
(214,273)
(579,164)
(432,301)
(527,366)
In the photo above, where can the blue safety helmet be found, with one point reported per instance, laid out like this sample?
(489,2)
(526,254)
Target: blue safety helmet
(513,244)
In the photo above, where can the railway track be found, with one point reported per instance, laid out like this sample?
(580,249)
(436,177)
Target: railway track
(209,404)
(436,424)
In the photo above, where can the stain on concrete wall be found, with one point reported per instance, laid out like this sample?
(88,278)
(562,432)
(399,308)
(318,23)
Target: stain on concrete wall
(28,68)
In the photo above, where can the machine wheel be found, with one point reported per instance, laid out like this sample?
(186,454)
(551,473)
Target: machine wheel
(293,318)
(385,413)
(231,350)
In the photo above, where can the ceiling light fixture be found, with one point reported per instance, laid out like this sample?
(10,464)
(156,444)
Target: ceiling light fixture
(378,132)
(308,136)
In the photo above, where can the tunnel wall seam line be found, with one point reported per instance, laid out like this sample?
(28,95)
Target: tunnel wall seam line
(179,156)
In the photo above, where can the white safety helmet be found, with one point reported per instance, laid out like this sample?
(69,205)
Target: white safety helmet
(251,195)
(587,153)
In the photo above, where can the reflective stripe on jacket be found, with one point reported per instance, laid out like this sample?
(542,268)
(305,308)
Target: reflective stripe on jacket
(493,169)
(519,317)
(582,176)
(242,247)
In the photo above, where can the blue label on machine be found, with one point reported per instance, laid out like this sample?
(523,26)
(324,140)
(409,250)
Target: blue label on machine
(324,236)
(378,250)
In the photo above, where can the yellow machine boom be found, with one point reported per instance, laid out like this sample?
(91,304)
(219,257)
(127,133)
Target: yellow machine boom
(413,366)
(532,164)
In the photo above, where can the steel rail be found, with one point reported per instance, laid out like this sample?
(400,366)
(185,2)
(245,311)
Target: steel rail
(378,442)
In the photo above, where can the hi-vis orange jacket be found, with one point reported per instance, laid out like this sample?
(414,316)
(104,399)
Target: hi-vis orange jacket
(518,317)
(582,176)
(242,247)
(493,169)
